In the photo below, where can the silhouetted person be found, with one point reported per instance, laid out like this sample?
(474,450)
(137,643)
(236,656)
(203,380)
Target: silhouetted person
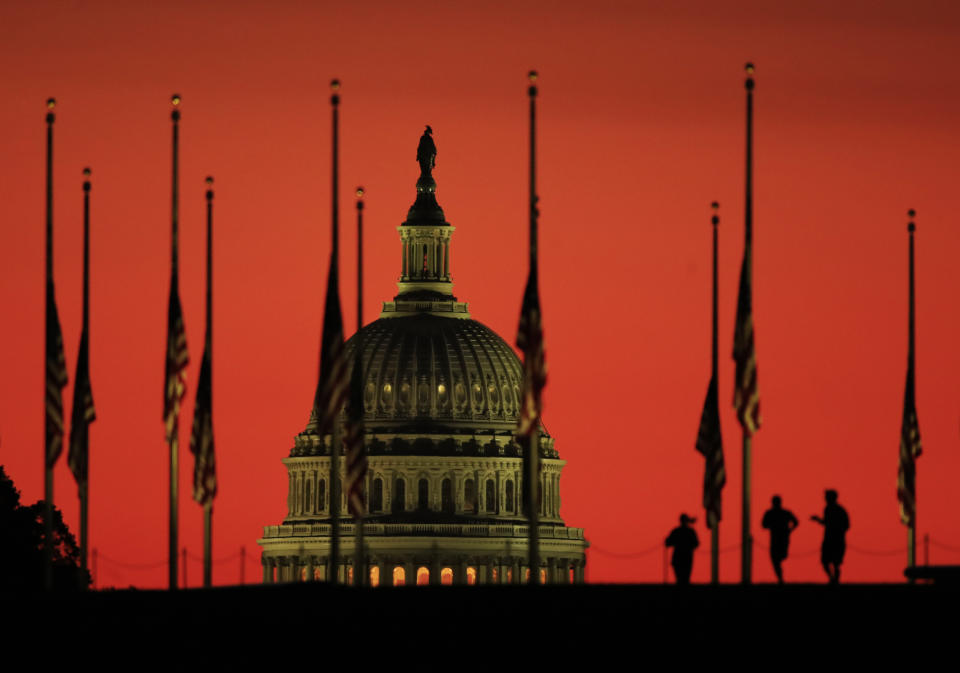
(780,522)
(835,523)
(684,540)
(427,152)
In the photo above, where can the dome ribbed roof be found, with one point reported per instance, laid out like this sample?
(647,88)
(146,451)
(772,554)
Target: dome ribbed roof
(428,372)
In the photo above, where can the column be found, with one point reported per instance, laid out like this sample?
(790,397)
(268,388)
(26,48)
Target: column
(578,572)
(460,571)
(435,567)
(517,577)
(403,254)
(446,259)
(267,568)
(310,568)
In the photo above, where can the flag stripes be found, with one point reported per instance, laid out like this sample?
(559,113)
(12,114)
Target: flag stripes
(175,381)
(530,342)
(82,415)
(910,449)
(55,380)
(710,444)
(201,436)
(746,398)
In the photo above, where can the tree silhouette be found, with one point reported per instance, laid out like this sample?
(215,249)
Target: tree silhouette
(22,530)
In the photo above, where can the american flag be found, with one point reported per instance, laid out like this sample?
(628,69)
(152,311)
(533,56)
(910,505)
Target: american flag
(201,437)
(55,380)
(746,398)
(82,416)
(332,384)
(354,436)
(530,341)
(710,444)
(910,449)
(175,382)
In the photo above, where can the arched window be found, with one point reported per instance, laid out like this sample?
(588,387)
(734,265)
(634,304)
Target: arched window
(491,496)
(471,575)
(322,495)
(399,576)
(423,575)
(374,576)
(376,502)
(509,497)
(423,497)
(446,576)
(308,505)
(399,502)
(469,497)
(446,496)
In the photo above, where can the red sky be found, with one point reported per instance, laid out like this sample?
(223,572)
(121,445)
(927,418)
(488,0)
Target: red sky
(641,128)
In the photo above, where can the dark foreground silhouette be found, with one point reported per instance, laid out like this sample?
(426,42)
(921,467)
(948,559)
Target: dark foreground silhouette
(780,522)
(835,524)
(684,540)
(21,556)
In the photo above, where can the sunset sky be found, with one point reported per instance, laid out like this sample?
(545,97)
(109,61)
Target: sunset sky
(641,127)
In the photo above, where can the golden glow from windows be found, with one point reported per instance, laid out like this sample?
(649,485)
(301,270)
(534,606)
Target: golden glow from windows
(423,576)
(374,576)
(471,575)
(446,576)
(399,576)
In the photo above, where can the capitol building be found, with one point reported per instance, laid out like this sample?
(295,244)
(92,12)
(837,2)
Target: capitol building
(444,500)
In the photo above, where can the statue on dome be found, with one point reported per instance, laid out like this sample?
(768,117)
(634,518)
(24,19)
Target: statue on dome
(427,153)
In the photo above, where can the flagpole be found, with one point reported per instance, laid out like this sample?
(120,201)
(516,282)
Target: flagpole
(174,439)
(746,539)
(337,437)
(912,527)
(533,471)
(361,578)
(48,281)
(208,347)
(715,528)
(85,459)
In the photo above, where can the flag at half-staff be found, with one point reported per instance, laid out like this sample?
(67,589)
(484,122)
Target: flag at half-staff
(54,374)
(746,398)
(201,437)
(530,343)
(83,413)
(331,393)
(709,438)
(175,377)
(55,363)
(353,440)
(910,446)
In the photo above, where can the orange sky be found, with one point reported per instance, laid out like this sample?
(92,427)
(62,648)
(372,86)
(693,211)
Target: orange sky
(641,128)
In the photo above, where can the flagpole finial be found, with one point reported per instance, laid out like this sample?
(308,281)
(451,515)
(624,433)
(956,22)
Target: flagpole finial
(360,193)
(715,220)
(335,87)
(86,182)
(532,75)
(749,68)
(175,102)
(209,183)
(51,103)
(911,227)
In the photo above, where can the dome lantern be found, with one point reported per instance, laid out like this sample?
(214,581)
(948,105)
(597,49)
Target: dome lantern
(425,284)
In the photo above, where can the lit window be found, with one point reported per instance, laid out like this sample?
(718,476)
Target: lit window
(471,575)
(446,576)
(374,576)
(399,576)
(423,575)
